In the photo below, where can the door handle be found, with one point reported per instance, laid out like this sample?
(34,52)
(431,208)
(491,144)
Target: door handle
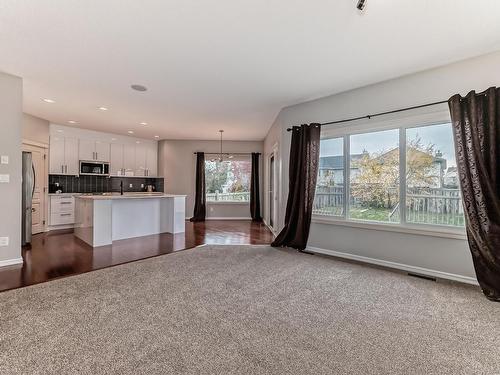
(33,210)
(62,168)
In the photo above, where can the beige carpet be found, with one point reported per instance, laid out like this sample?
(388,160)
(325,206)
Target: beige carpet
(247,310)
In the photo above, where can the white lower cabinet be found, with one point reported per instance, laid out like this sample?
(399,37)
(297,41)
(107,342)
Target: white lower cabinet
(62,210)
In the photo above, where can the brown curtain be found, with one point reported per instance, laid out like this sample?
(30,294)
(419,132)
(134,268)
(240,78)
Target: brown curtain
(200,197)
(254,189)
(476,128)
(303,171)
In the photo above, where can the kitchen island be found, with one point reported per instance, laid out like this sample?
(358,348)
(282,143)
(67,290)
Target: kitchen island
(102,219)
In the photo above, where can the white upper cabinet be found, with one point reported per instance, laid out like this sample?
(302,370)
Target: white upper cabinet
(116,159)
(146,159)
(87,149)
(102,151)
(126,155)
(140,159)
(71,155)
(56,155)
(63,155)
(152,160)
(97,150)
(129,157)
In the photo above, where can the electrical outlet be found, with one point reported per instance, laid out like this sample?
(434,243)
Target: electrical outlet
(142,186)
(4,159)
(4,241)
(130,185)
(4,178)
(211,209)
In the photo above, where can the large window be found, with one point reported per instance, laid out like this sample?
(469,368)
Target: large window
(329,198)
(432,190)
(376,178)
(228,181)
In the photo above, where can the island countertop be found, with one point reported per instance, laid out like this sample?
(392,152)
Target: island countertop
(102,219)
(109,196)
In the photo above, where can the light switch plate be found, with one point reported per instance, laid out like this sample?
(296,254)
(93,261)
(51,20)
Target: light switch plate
(4,178)
(4,241)
(4,159)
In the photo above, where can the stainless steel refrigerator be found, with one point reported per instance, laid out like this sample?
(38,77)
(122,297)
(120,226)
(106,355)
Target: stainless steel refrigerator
(28,188)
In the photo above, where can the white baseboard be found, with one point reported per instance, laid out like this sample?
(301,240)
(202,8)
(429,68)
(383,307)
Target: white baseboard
(224,218)
(58,227)
(269,227)
(11,262)
(227,218)
(399,266)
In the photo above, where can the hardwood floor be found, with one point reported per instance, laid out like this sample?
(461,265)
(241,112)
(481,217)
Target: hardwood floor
(59,253)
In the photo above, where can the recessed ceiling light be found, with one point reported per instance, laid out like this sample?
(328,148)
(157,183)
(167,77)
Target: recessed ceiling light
(157,136)
(102,108)
(137,141)
(130,132)
(113,139)
(73,122)
(59,131)
(139,87)
(143,123)
(48,100)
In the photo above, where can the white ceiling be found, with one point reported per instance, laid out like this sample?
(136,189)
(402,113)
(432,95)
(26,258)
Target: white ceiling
(222,64)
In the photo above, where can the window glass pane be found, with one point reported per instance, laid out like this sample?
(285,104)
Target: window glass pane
(329,198)
(432,190)
(374,176)
(228,181)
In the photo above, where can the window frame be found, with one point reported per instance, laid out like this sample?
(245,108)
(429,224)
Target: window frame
(402,123)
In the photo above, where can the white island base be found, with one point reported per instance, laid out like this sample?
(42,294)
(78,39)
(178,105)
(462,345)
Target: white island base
(100,220)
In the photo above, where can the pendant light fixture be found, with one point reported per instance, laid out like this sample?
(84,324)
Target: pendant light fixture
(221,155)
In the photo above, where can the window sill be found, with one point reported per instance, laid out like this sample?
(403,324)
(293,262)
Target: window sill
(422,230)
(228,202)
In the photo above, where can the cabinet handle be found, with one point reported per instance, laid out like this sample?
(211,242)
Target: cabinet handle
(65,214)
(66,202)
(66,169)
(62,168)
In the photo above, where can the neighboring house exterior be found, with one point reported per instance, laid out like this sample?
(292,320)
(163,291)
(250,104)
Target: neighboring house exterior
(331,168)
(450,179)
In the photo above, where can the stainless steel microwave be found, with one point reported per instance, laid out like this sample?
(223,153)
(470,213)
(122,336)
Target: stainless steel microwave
(94,168)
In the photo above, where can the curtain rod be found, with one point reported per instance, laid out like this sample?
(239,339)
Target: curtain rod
(381,113)
(227,153)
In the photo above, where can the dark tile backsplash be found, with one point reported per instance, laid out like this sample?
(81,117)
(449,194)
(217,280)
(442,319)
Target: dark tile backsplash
(100,184)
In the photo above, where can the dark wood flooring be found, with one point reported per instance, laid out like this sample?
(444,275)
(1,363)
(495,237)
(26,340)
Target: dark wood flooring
(59,253)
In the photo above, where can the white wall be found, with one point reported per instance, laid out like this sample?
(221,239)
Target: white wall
(177,164)
(35,129)
(10,145)
(272,143)
(444,255)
